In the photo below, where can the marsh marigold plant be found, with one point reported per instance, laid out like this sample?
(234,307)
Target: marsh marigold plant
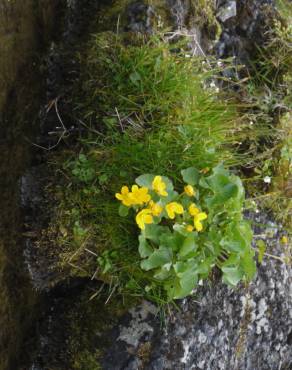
(185,234)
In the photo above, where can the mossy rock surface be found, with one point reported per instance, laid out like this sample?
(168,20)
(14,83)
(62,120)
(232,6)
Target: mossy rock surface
(76,329)
(21,23)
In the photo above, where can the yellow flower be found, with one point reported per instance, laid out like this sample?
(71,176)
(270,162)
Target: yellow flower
(193,210)
(173,208)
(198,216)
(284,239)
(159,186)
(156,209)
(189,190)
(139,195)
(124,196)
(144,217)
(197,220)
(189,228)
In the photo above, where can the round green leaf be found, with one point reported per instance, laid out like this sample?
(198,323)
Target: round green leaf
(191,175)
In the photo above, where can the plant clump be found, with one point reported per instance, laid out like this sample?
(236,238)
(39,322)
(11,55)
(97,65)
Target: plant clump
(145,107)
(183,236)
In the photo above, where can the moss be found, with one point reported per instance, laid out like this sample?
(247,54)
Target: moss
(113,16)
(243,331)
(144,352)
(196,13)
(80,342)
(17,304)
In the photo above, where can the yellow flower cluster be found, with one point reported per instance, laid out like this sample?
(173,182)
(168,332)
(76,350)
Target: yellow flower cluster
(138,196)
(145,216)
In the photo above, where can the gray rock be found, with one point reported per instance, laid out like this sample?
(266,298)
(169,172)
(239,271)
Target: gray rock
(244,25)
(227,11)
(249,328)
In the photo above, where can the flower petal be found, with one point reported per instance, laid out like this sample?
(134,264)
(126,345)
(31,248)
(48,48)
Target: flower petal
(198,225)
(125,190)
(193,210)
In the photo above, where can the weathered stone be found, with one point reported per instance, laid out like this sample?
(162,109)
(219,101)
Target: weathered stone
(248,328)
(244,25)
(227,11)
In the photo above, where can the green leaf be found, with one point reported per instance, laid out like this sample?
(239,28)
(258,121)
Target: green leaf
(238,237)
(171,240)
(220,170)
(222,196)
(153,232)
(181,288)
(163,273)
(190,175)
(231,275)
(158,258)
(248,264)
(226,187)
(189,245)
(173,289)
(145,180)
(123,210)
(185,282)
(232,260)
(203,183)
(183,267)
(205,266)
(261,250)
(135,77)
(145,249)
(82,158)
(181,229)
(172,196)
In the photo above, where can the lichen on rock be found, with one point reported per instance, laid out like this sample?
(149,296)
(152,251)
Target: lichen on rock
(220,328)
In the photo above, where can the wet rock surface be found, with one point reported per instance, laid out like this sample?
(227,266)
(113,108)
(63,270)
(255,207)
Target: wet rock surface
(26,28)
(249,328)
